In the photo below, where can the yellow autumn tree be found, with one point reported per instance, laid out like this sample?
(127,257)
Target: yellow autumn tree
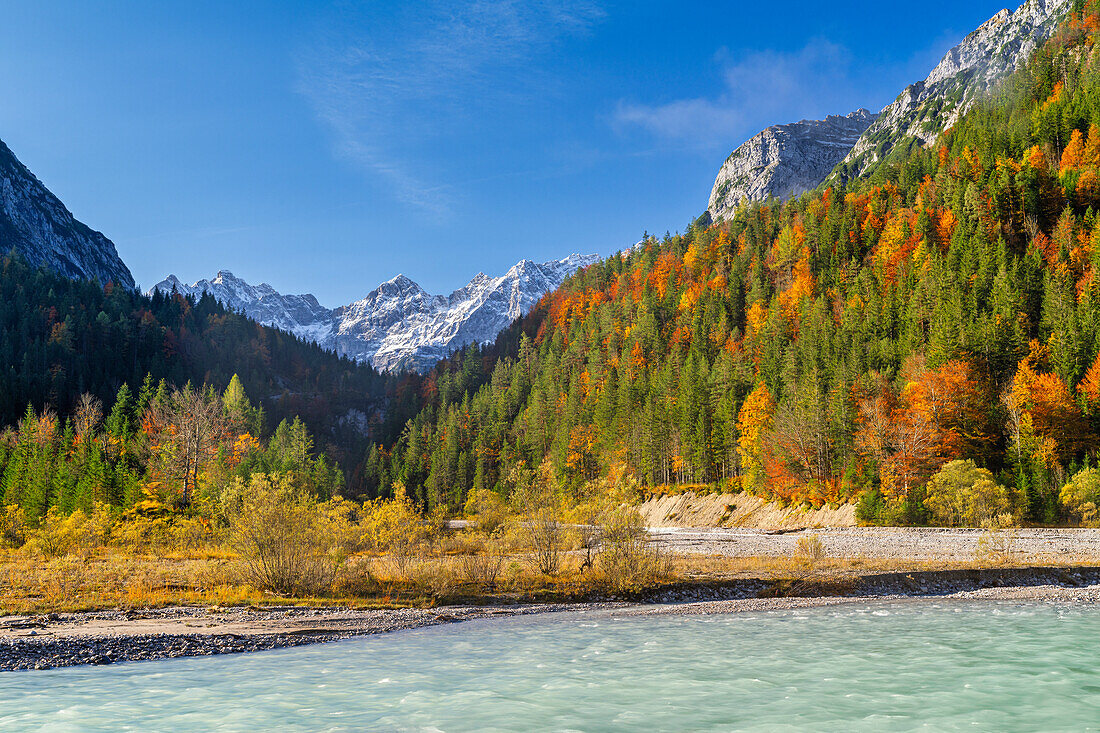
(753,422)
(1091,156)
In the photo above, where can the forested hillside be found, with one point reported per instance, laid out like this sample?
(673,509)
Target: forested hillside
(62,339)
(847,344)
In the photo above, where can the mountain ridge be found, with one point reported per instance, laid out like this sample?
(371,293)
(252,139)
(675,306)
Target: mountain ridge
(967,72)
(785,161)
(37,225)
(398,325)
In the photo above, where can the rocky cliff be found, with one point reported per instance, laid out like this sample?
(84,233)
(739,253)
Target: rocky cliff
(966,73)
(37,225)
(785,161)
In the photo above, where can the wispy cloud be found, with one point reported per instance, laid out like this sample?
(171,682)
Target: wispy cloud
(760,85)
(394,88)
(762,88)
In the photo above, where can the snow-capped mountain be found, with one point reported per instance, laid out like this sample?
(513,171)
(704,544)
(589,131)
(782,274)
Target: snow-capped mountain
(301,315)
(965,73)
(398,325)
(788,160)
(37,225)
(785,161)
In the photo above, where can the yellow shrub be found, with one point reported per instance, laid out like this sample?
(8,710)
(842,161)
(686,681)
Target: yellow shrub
(627,563)
(141,533)
(74,534)
(393,525)
(1081,497)
(486,508)
(13,526)
(284,539)
(809,548)
(963,494)
(160,533)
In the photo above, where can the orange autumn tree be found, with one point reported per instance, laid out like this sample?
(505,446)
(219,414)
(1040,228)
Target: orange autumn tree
(582,457)
(1044,421)
(939,415)
(958,403)
(1074,154)
(1089,388)
(1091,155)
(898,438)
(876,403)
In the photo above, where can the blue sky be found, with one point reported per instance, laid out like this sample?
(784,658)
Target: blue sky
(326,146)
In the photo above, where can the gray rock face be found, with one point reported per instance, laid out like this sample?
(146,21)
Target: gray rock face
(785,161)
(37,225)
(964,75)
(398,325)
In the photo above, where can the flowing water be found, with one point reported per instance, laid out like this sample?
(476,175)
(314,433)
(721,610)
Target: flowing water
(876,666)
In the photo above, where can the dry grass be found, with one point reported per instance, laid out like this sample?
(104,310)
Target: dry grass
(463,567)
(109,578)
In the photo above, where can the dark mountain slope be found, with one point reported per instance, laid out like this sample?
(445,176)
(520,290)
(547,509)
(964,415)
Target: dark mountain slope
(34,223)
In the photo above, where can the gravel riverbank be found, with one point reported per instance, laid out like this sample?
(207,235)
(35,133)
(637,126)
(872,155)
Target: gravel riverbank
(105,637)
(61,640)
(58,640)
(906,543)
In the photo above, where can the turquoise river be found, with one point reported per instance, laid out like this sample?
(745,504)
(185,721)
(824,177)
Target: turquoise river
(916,665)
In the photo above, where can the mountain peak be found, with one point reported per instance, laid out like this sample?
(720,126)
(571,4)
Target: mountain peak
(37,225)
(400,283)
(966,73)
(787,160)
